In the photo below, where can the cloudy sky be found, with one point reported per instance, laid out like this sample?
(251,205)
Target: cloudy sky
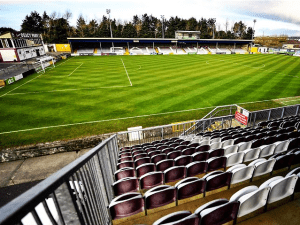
(274,17)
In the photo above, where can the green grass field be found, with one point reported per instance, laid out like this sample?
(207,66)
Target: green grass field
(89,95)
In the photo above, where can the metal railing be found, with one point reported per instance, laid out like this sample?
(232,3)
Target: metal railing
(77,194)
(207,120)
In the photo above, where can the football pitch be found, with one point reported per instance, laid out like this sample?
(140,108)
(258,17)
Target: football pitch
(91,95)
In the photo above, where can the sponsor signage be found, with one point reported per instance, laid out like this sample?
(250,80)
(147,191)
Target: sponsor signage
(242,115)
(18,77)
(26,35)
(10,81)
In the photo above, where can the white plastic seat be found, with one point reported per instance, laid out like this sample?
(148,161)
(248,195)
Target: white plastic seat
(244,145)
(241,173)
(214,140)
(281,187)
(251,198)
(229,149)
(281,146)
(204,142)
(234,158)
(215,145)
(227,143)
(266,150)
(196,139)
(251,154)
(262,166)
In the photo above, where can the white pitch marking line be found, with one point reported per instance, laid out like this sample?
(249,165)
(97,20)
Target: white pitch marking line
(75,69)
(39,92)
(126,72)
(19,86)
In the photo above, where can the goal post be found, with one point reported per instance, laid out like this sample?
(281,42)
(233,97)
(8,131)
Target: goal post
(118,50)
(44,63)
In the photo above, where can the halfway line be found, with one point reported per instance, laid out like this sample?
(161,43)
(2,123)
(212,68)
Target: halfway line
(126,72)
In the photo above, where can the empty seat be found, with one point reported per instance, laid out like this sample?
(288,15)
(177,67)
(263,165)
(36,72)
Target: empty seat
(189,187)
(282,161)
(128,158)
(216,163)
(180,217)
(210,204)
(234,158)
(126,205)
(151,179)
(193,145)
(180,147)
(250,198)
(281,187)
(174,173)
(216,153)
(217,179)
(136,152)
(125,185)
(267,150)
(200,156)
(155,152)
(125,164)
(202,148)
(294,143)
(215,145)
(196,168)
(174,154)
(204,142)
(230,149)
(220,214)
(162,147)
(159,196)
(257,143)
(188,151)
(141,161)
(183,160)
(150,149)
(145,168)
(126,154)
(141,155)
(281,146)
(244,145)
(158,157)
(227,143)
(124,172)
(164,164)
(262,166)
(241,173)
(167,150)
(251,154)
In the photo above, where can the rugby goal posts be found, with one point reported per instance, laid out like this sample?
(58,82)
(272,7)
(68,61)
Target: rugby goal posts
(43,62)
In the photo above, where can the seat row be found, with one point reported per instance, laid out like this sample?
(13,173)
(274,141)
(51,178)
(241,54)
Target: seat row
(127,181)
(241,203)
(281,123)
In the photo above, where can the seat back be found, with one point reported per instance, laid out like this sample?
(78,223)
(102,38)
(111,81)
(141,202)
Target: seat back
(216,181)
(145,168)
(151,179)
(159,196)
(189,187)
(183,160)
(251,154)
(230,149)
(125,185)
(200,156)
(267,150)
(241,174)
(263,167)
(141,161)
(196,167)
(216,163)
(174,173)
(164,164)
(124,172)
(220,214)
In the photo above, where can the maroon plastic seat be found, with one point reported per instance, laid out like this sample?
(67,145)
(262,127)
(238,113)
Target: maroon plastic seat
(202,148)
(183,160)
(125,185)
(162,147)
(142,161)
(137,152)
(180,147)
(159,196)
(189,187)
(200,156)
(193,145)
(216,163)
(189,151)
(145,168)
(196,168)
(124,172)
(282,161)
(159,157)
(167,150)
(150,149)
(294,143)
(129,158)
(220,214)
(164,164)
(174,173)
(124,155)
(174,154)
(125,164)
(179,218)
(216,153)
(217,179)
(155,152)
(141,155)
(126,205)
(185,142)
(151,179)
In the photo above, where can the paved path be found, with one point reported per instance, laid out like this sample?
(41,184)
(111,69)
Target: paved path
(18,176)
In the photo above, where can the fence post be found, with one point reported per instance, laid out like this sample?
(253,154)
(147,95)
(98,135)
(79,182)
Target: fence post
(269,114)
(162,133)
(297,110)
(282,113)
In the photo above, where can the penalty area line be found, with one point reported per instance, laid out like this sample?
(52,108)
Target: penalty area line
(75,69)
(126,72)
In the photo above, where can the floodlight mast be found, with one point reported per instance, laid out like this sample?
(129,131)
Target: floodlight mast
(111,35)
(254,21)
(162,28)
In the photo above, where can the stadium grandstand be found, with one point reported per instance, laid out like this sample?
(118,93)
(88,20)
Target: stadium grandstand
(241,167)
(150,46)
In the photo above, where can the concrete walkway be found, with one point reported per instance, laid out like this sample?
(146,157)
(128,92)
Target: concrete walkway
(18,176)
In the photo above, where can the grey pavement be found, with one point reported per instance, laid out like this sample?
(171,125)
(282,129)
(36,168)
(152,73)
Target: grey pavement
(18,176)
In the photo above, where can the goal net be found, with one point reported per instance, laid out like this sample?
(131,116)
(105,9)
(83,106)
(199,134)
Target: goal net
(43,63)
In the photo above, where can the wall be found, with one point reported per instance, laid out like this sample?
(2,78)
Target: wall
(63,48)
(8,55)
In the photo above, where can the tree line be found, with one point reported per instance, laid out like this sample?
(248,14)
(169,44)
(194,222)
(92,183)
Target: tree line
(55,27)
